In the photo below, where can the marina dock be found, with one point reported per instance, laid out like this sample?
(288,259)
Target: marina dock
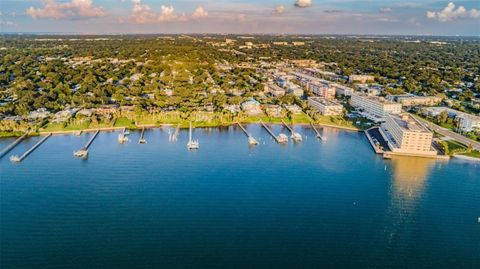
(319,136)
(294,136)
(83,152)
(142,137)
(12,145)
(251,139)
(281,138)
(28,152)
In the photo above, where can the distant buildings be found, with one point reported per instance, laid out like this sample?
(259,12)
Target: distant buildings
(275,90)
(374,108)
(415,100)
(361,78)
(406,135)
(465,122)
(326,107)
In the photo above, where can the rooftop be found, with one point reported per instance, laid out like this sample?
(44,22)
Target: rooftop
(408,123)
(324,101)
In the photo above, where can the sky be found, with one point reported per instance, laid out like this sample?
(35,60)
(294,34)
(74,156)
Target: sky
(392,17)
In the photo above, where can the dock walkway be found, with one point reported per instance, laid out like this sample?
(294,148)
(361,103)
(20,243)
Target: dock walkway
(28,152)
(12,145)
(278,139)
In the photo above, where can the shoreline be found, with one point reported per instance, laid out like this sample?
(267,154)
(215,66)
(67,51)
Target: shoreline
(153,126)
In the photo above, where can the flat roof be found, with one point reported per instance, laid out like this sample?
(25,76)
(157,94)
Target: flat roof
(408,123)
(323,101)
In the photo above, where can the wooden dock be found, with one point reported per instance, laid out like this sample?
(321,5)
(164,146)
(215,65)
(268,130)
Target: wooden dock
(280,138)
(12,145)
(28,152)
(251,139)
(319,136)
(142,137)
(294,136)
(83,152)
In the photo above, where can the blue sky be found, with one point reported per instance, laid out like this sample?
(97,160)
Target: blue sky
(242,16)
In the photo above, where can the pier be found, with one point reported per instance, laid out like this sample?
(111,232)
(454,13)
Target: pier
(12,145)
(142,138)
(25,155)
(294,136)
(319,136)
(251,139)
(83,152)
(281,138)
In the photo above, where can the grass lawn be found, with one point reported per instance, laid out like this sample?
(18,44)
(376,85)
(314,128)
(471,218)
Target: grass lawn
(454,145)
(59,127)
(474,154)
(10,134)
(124,122)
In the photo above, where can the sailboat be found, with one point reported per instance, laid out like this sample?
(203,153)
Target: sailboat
(192,144)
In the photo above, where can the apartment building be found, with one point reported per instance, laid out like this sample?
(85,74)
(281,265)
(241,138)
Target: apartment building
(326,107)
(373,107)
(405,134)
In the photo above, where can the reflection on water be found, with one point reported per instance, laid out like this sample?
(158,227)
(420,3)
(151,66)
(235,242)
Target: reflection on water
(409,175)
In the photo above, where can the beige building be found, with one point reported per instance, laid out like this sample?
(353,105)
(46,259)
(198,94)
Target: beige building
(361,78)
(326,107)
(414,100)
(406,135)
(276,90)
(373,107)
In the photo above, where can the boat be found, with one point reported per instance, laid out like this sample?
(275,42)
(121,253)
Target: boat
(126,131)
(192,144)
(252,141)
(296,137)
(122,138)
(83,153)
(15,159)
(282,138)
(142,141)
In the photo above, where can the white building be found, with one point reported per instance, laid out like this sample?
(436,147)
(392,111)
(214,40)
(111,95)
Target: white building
(326,107)
(406,135)
(276,90)
(374,108)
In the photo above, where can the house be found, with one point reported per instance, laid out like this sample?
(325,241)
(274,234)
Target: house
(274,110)
(39,114)
(251,107)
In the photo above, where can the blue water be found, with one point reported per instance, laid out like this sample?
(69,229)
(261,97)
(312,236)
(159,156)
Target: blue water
(228,205)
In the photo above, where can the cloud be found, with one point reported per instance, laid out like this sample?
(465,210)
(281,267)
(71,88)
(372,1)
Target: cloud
(74,9)
(199,13)
(449,13)
(143,14)
(303,3)
(280,9)
(385,10)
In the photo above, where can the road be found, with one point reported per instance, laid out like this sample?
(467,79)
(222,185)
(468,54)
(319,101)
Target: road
(460,138)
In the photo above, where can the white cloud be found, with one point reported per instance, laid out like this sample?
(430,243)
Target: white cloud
(199,13)
(143,14)
(280,9)
(449,13)
(303,3)
(66,10)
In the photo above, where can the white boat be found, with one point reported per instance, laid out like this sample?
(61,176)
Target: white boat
(252,141)
(15,159)
(83,153)
(122,138)
(282,138)
(192,144)
(296,137)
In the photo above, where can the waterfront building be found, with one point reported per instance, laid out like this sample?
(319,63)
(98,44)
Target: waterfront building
(252,107)
(325,106)
(406,135)
(373,107)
